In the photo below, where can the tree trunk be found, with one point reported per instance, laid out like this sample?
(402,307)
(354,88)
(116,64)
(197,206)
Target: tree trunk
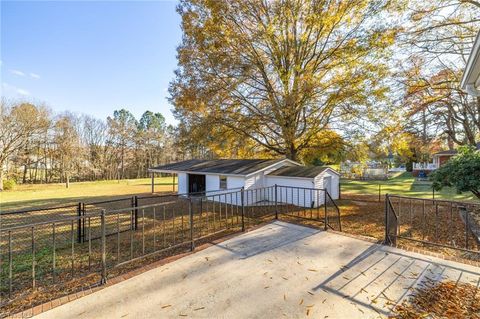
(1,177)
(292,152)
(24,179)
(67,180)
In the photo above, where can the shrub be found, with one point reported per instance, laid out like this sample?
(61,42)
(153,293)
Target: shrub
(9,184)
(461,172)
(409,166)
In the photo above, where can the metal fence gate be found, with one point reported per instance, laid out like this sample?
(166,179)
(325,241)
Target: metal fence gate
(441,223)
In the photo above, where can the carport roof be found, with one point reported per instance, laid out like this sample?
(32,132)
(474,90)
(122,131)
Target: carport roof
(299,171)
(219,166)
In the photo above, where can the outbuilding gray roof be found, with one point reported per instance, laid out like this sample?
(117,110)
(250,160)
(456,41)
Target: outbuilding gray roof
(219,166)
(299,171)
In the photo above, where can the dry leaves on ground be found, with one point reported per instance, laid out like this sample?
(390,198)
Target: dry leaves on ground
(441,300)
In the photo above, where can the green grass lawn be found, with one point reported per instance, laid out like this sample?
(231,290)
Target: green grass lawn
(402,184)
(28,196)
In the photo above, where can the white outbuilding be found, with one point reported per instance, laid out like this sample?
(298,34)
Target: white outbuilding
(296,184)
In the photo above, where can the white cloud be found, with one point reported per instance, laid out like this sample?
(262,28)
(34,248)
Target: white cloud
(17,72)
(22,92)
(34,76)
(8,89)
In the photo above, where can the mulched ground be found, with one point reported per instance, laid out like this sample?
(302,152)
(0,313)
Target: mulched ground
(441,300)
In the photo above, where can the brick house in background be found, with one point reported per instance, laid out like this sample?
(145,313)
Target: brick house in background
(438,159)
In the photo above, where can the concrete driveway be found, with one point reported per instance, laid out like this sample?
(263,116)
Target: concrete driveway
(279,270)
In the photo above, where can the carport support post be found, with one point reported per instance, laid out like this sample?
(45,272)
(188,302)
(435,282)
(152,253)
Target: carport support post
(243,208)
(190,212)
(276,207)
(104,254)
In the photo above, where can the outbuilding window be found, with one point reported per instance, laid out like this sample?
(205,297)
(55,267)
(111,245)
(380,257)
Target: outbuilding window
(223,182)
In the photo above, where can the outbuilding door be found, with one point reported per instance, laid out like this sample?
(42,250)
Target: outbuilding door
(196,183)
(327,184)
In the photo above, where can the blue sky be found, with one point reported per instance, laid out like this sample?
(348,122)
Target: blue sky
(90,57)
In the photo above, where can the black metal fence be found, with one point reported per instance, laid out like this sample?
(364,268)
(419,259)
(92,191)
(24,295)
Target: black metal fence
(48,255)
(441,223)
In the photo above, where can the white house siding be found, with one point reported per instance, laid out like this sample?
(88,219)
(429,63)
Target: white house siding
(182,183)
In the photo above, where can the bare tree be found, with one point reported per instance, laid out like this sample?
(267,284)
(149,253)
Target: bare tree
(67,145)
(438,42)
(18,123)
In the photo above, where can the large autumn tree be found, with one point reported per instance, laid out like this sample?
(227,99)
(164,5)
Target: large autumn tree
(279,73)
(438,40)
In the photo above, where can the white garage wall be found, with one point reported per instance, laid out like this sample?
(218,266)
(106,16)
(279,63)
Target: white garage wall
(335,178)
(182,183)
(259,180)
(212,182)
(259,187)
(231,195)
(235,182)
(335,186)
(303,195)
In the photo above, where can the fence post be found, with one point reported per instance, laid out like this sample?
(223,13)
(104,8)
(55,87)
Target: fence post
(135,204)
(132,204)
(104,244)
(242,209)
(325,207)
(79,222)
(84,212)
(190,212)
(276,207)
(464,210)
(387,199)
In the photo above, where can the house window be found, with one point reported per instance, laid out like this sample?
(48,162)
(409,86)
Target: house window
(223,182)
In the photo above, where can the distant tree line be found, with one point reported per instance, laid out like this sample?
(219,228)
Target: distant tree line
(38,146)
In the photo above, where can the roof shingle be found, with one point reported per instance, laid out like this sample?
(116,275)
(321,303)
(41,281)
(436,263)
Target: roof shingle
(299,171)
(219,166)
